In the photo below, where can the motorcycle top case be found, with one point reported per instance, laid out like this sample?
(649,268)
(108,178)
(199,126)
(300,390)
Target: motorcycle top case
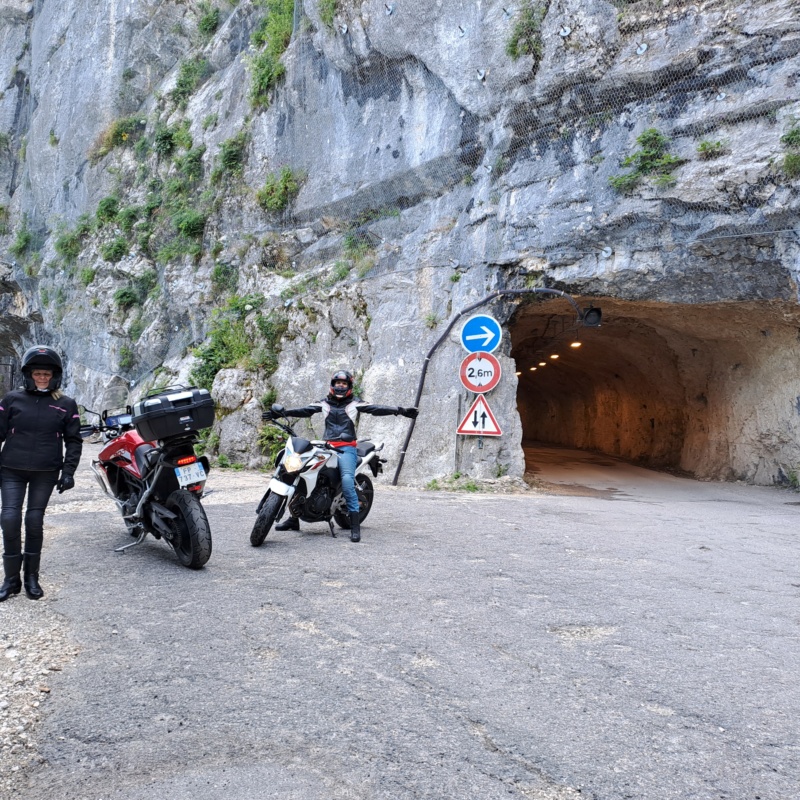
(175,413)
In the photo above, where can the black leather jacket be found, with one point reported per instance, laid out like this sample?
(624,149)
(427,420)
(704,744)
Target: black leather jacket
(341,415)
(35,430)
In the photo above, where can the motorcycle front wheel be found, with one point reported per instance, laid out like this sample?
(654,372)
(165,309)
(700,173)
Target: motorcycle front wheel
(271,507)
(365,493)
(192,542)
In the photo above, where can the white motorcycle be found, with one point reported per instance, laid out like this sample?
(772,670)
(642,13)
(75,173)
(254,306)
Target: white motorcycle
(307,482)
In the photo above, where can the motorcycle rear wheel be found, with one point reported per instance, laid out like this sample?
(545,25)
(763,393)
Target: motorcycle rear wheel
(365,492)
(271,507)
(192,543)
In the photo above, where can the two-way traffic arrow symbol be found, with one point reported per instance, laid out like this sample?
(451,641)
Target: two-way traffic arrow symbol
(479,420)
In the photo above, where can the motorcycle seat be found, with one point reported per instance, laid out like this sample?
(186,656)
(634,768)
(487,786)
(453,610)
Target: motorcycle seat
(142,461)
(364,448)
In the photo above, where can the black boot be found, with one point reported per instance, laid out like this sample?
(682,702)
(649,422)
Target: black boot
(355,526)
(12,584)
(289,524)
(30,565)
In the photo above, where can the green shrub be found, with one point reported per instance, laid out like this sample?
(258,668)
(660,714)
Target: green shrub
(145,285)
(232,153)
(624,183)
(792,137)
(121,132)
(272,36)
(272,328)
(791,164)
(191,74)
(271,441)
(126,298)
(182,136)
(178,248)
(356,244)
(153,202)
(115,249)
(107,209)
(209,21)
(228,346)
(86,276)
(127,357)
(142,148)
(22,242)
(190,223)
(224,278)
(164,140)
(327,11)
(526,37)
(278,190)
(707,150)
(136,328)
(69,245)
(127,218)
(651,159)
(3,220)
(341,269)
(191,164)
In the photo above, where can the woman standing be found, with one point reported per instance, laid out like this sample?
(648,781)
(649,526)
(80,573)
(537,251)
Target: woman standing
(37,423)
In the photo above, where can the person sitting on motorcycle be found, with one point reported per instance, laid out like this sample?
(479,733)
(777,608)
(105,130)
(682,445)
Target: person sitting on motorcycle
(37,425)
(340,411)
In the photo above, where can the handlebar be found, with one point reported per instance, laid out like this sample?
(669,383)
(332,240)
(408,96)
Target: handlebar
(111,425)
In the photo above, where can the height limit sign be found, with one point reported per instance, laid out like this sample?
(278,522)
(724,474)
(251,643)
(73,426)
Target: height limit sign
(480,372)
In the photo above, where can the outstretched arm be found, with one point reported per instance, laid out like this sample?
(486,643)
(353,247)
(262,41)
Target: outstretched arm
(387,411)
(305,411)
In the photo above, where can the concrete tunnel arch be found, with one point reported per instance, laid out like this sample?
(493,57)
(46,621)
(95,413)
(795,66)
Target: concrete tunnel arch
(711,390)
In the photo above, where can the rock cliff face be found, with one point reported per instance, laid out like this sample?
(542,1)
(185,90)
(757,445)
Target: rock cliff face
(253,194)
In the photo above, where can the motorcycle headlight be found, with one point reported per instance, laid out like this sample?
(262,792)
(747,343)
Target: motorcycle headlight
(292,462)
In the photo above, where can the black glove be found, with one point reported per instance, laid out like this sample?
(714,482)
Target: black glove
(411,413)
(267,415)
(65,483)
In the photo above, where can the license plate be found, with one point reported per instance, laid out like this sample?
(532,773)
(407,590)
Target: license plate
(191,473)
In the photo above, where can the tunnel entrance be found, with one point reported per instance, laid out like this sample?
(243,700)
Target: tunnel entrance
(712,390)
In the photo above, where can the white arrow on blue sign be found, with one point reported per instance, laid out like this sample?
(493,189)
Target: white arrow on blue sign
(481,334)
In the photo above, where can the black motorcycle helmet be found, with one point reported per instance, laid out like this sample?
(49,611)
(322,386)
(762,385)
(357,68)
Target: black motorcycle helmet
(44,358)
(342,375)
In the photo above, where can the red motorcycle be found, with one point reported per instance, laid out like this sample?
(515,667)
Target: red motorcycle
(150,469)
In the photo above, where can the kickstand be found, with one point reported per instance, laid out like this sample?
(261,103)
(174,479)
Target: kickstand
(330,525)
(132,544)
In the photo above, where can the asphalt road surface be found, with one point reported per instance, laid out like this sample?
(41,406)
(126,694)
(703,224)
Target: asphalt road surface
(622,634)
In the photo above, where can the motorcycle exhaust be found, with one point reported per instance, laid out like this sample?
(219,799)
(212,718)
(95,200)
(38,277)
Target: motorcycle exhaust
(102,479)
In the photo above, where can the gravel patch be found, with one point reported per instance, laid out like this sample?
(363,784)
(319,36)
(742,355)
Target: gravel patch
(34,644)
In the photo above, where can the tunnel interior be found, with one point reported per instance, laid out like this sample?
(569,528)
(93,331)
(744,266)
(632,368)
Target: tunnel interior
(709,390)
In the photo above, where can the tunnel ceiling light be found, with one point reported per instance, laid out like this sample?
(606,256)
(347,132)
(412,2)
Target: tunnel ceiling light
(533,369)
(518,374)
(554,356)
(575,344)
(542,363)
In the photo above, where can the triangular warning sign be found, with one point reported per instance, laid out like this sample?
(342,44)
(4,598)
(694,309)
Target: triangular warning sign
(479,420)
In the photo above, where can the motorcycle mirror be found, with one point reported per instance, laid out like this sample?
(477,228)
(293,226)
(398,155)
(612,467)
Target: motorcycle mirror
(277,408)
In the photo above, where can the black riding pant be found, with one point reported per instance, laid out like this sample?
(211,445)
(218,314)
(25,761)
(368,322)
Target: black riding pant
(39,486)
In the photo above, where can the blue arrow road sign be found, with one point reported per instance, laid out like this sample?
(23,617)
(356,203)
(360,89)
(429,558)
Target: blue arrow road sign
(481,334)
